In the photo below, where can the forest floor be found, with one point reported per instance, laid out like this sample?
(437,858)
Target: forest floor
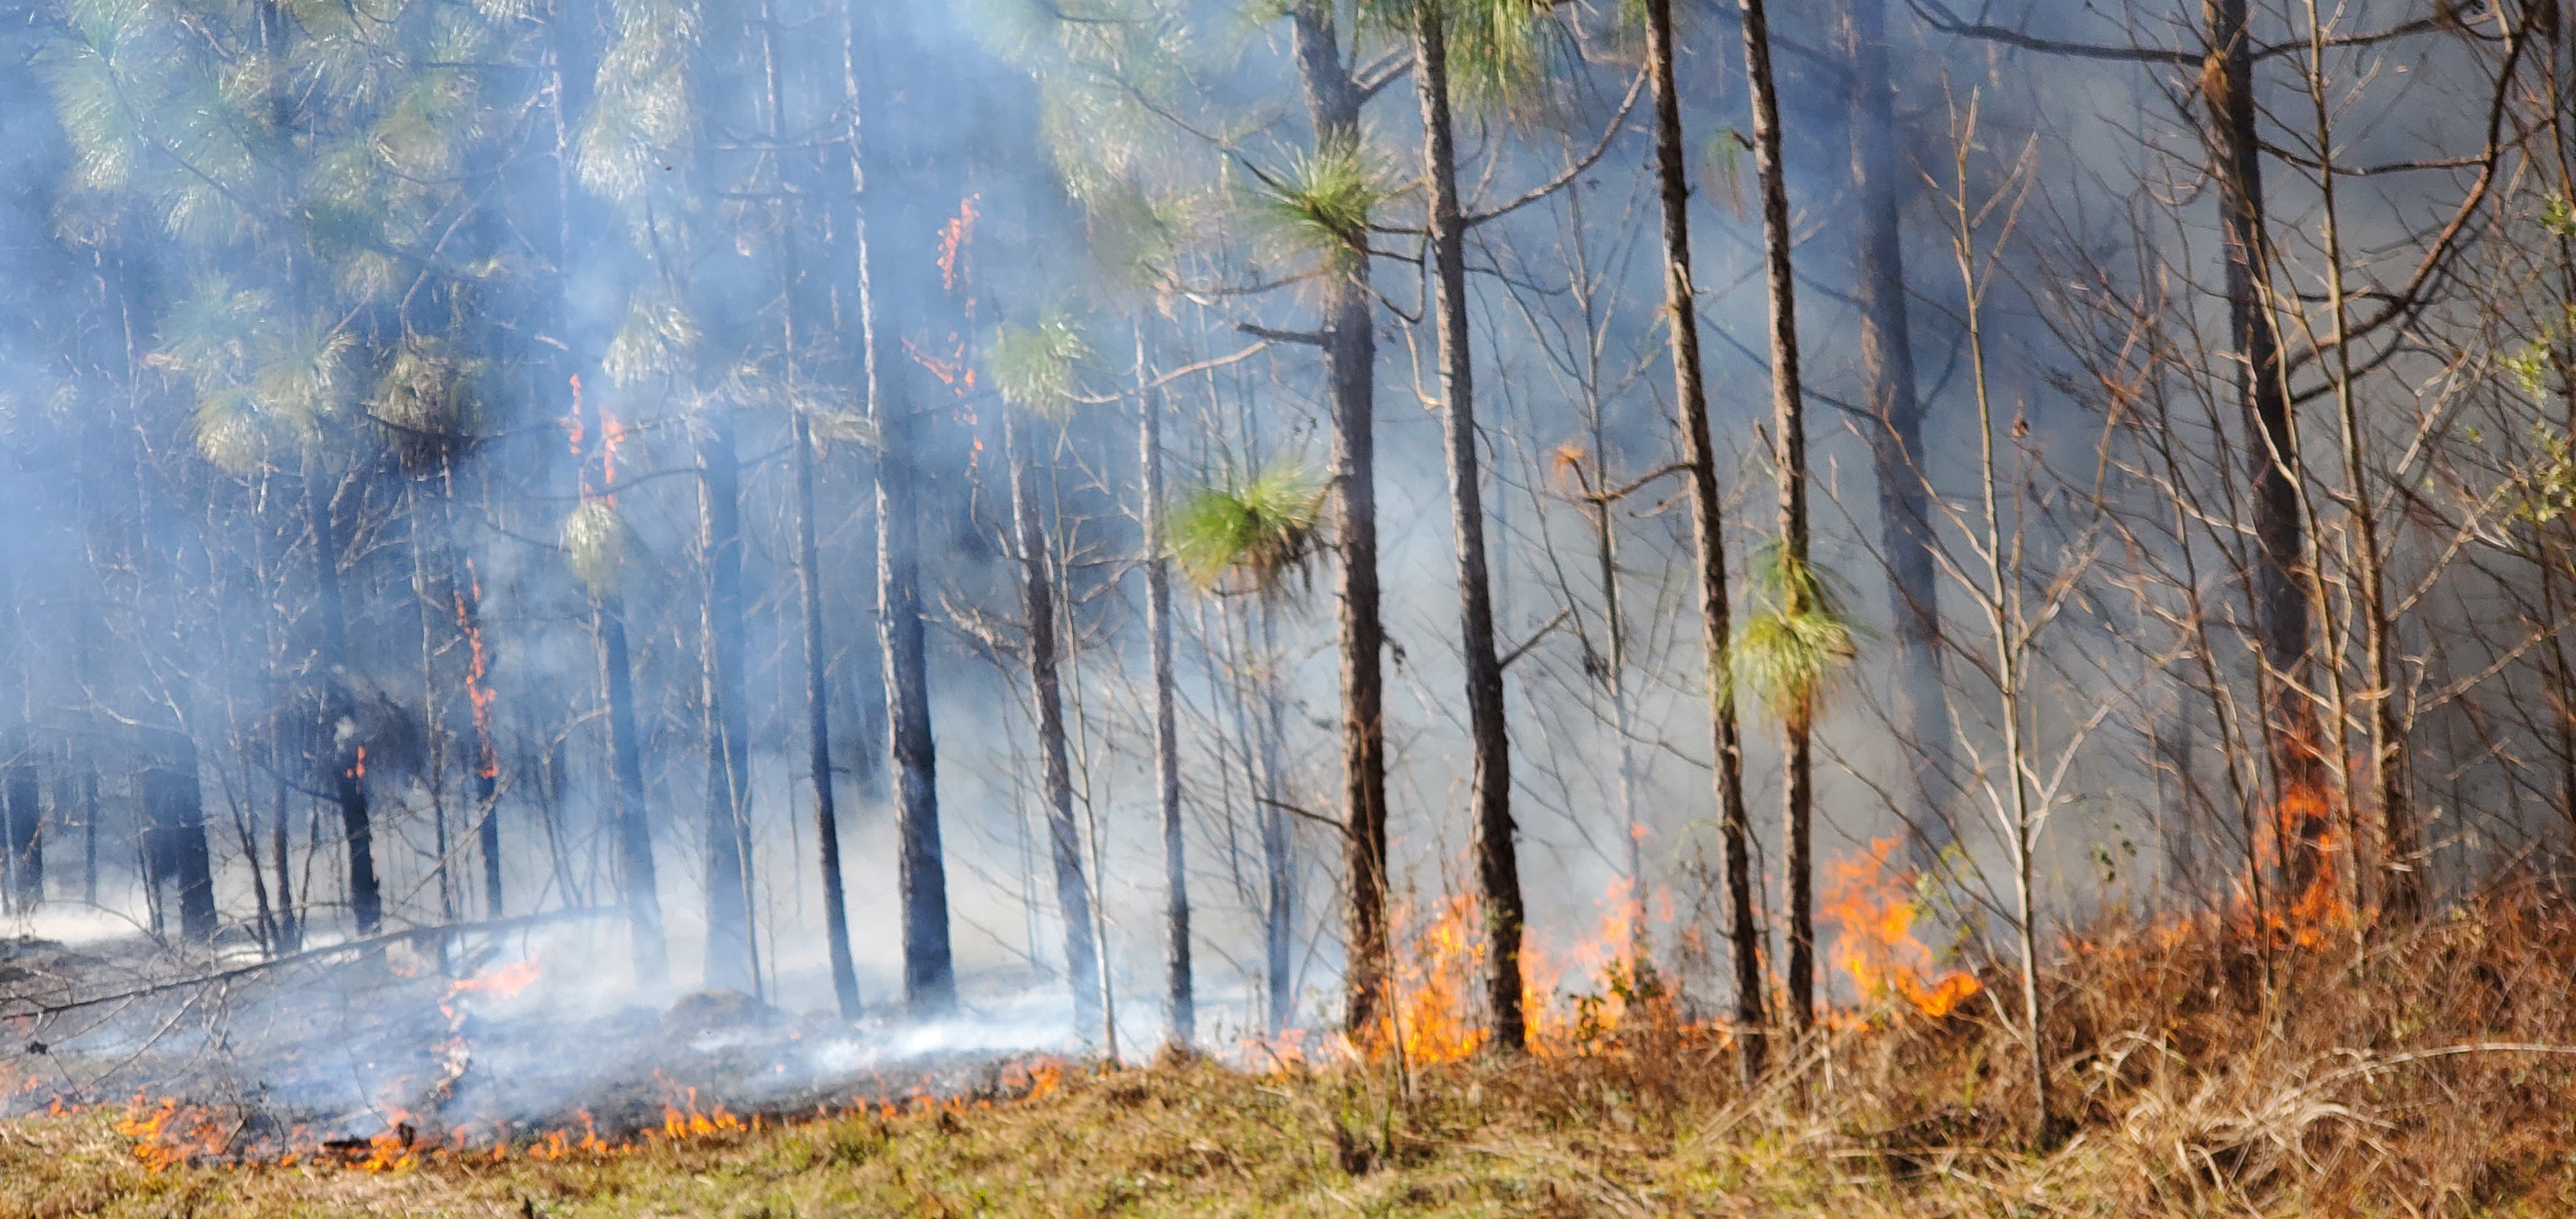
(2199,1068)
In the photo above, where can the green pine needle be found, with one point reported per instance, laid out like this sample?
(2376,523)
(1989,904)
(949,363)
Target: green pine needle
(1798,641)
(1035,367)
(598,543)
(1260,526)
(1324,202)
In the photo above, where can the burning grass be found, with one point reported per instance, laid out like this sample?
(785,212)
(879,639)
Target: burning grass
(2207,1070)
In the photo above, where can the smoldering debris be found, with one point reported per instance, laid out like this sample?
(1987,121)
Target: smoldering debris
(426,1042)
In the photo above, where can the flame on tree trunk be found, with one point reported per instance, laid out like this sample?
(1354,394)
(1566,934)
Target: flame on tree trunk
(1498,880)
(339,729)
(2292,735)
(634,827)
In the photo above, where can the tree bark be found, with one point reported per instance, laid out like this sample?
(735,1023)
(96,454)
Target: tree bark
(818,724)
(464,596)
(809,573)
(26,843)
(1708,528)
(175,811)
(643,890)
(733,950)
(1498,878)
(1177,981)
(1350,351)
(340,728)
(1895,423)
(1046,689)
(2391,787)
(1278,839)
(1790,460)
(2280,599)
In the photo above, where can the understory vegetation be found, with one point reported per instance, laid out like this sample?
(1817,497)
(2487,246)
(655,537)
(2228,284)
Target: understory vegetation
(2427,1071)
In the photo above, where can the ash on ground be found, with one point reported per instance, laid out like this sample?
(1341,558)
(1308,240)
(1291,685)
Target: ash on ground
(457,1048)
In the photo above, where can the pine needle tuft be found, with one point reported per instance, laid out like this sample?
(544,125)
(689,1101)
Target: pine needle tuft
(1798,640)
(1035,367)
(1260,526)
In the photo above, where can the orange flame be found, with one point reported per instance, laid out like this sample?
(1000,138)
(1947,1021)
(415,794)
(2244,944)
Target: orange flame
(487,761)
(358,770)
(500,983)
(682,1119)
(170,1133)
(2307,918)
(1872,912)
(573,430)
(953,237)
(1439,979)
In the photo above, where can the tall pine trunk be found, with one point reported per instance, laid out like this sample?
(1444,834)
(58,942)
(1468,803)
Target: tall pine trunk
(1789,459)
(1278,837)
(1498,879)
(1046,689)
(733,951)
(634,828)
(473,698)
(929,971)
(818,725)
(1894,420)
(1350,351)
(25,814)
(1708,529)
(2280,599)
(339,728)
(175,838)
(1167,733)
(809,574)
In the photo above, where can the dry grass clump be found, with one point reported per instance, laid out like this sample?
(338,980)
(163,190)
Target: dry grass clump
(2205,1071)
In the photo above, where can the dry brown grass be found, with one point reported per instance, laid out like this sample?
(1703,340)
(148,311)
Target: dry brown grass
(2428,1072)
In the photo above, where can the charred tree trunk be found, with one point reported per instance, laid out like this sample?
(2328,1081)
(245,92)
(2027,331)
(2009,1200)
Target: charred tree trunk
(809,575)
(1708,528)
(26,817)
(2280,601)
(465,592)
(818,725)
(1788,406)
(89,842)
(1064,837)
(1278,839)
(1895,423)
(1178,983)
(929,970)
(733,951)
(634,824)
(930,981)
(1350,350)
(290,921)
(175,817)
(1498,878)
(339,731)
